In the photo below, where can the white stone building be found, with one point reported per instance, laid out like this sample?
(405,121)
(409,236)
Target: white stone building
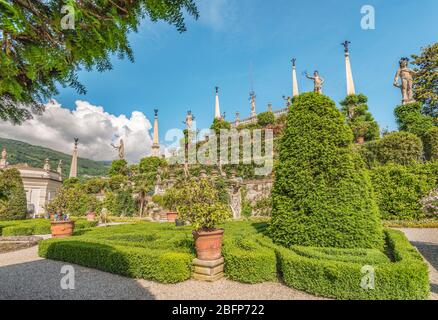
(40,184)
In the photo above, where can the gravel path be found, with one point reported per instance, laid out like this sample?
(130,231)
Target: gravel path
(426,241)
(24,275)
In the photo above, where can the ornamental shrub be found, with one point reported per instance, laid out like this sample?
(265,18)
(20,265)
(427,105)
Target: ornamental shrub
(399,147)
(13,205)
(399,189)
(322,194)
(430,203)
(431,144)
(409,118)
(265,118)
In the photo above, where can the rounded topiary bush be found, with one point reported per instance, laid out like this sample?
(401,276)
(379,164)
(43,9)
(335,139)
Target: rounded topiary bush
(399,147)
(265,118)
(322,195)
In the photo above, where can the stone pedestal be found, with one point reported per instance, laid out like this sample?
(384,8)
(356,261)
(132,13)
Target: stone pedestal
(208,270)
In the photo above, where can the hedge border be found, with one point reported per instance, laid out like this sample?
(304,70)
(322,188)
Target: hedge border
(404,279)
(36,227)
(134,262)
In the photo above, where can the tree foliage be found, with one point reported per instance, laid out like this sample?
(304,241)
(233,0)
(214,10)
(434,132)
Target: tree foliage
(265,118)
(359,119)
(13,204)
(426,79)
(322,194)
(198,202)
(119,167)
(409,118)
(399,147)
(37,51)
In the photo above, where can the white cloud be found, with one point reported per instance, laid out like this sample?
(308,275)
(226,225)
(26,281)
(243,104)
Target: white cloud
(217,14)
(95,128)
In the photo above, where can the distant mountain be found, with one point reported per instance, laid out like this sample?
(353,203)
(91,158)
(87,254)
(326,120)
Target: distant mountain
(34,156)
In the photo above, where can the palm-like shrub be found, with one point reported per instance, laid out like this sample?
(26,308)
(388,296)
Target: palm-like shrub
(322,195)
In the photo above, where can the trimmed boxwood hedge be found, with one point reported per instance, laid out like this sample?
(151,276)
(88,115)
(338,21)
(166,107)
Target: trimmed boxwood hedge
(322,194)
(164,253)
(404,278)
(35,227)
(159,265)
(247,261)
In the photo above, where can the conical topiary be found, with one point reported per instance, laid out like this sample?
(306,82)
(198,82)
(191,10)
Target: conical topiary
(322,195)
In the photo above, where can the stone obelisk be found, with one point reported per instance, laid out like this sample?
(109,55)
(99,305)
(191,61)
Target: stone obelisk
(295,91)
(217,110)
(155,145)
(74,161)
(349,74)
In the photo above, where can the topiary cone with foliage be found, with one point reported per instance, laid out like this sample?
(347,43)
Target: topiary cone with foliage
(322,195)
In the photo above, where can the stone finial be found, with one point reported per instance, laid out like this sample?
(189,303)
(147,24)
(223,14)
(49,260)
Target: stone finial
(3,162)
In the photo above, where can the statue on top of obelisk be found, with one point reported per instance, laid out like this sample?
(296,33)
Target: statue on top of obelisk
(406,75)
(318,81)
(120,149)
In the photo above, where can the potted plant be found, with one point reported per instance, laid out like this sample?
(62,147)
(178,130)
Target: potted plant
(62,226)
(91,216)
(169,201)
(198,202)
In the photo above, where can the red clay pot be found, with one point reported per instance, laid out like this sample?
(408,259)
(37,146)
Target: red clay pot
(171,216)
(62,229)
(208,244)
(91,216)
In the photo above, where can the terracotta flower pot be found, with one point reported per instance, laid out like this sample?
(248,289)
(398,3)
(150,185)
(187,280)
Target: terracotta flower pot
(52,217)
(62,229)
(171,216)
(208,244)
(91,216)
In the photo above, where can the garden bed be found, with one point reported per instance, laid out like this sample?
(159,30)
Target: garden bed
(164,253)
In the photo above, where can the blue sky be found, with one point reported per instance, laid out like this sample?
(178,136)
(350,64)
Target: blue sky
(176,72)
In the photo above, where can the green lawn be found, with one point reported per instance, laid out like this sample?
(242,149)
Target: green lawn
(35,227)
(164,253)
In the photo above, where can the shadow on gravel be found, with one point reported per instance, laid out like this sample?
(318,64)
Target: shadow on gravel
(42,280)
(430,252)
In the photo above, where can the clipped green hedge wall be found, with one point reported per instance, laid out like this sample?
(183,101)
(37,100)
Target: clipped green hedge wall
(158,265)
(36,227)
(398,189)
(405,278)
(247,261)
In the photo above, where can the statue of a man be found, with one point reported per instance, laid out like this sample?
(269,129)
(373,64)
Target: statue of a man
(120,148)
(4,154)
(406,75)
(317,81)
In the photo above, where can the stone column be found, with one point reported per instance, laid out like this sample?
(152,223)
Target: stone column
(74,161)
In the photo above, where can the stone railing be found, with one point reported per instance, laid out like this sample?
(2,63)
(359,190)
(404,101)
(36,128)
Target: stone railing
(246,121)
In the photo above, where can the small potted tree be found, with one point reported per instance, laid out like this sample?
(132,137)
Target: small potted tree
(61,225)
(169,201)
(198,202)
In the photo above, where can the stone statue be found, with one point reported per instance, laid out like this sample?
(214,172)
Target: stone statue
(46,165)
(59,169)
(406,75)
(120,148)
(4,154)
(346,44)
(288,101)
(317,81)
